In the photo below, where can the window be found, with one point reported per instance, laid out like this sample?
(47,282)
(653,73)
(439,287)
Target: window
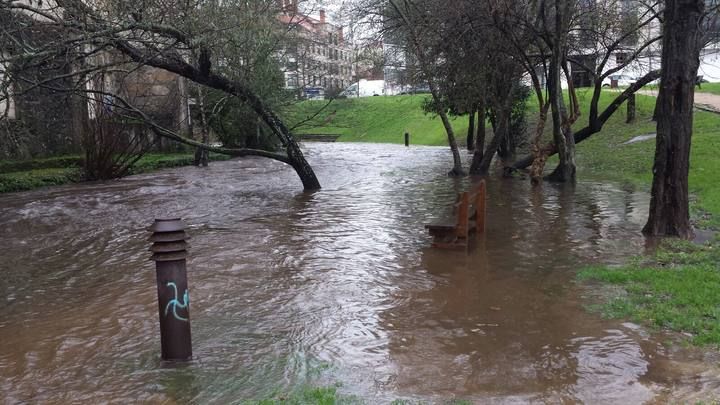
(621,58)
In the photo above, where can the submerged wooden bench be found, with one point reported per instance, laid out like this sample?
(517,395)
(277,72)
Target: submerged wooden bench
(469,217)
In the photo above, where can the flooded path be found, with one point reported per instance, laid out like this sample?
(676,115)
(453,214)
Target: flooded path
(333,287)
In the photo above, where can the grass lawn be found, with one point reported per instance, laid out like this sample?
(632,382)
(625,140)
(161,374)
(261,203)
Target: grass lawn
(383,119)
(712,88)
(31,174)
(677,289)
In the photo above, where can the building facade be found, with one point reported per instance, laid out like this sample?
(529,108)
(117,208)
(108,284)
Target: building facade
(319,59)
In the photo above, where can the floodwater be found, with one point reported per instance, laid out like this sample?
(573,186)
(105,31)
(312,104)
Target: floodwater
(337,287)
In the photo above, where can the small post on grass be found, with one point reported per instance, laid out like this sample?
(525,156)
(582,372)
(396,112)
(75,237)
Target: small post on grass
(170,254)
(407,139)
(631,108)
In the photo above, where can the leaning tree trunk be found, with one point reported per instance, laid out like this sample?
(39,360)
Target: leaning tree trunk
(457,169)
(471,130)
(669,204)
(295,157)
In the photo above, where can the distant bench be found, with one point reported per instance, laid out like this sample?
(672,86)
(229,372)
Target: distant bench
(469,217)
(318,137)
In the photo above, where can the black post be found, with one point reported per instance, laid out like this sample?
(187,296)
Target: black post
(631,108)
(169,254)
(407,139)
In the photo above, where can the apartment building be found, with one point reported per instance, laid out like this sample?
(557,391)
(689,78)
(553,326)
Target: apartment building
(319,59)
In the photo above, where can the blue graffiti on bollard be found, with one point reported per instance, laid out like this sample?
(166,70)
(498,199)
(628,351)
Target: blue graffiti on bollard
(175,303)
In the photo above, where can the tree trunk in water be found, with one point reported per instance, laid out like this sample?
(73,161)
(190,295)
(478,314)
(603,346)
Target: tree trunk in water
(539,155)
(471,131)
(669,204)
(457,169)
(479,141)
(502,132)
(506,149)
(562,133)
(483,166)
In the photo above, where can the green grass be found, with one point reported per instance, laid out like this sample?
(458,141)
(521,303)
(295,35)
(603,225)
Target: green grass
(374,119)
(31,179)
(678,290)
(32,174)
(605,156)
(9,166)
(712,88)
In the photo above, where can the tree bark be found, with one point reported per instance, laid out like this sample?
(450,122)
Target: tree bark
(457,169)
(562,133)
(471,130)
(479,152)
(481,162)
(539,155)
(669,204)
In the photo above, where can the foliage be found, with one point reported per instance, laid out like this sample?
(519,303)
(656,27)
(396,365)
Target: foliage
(36,178)
(9,166)
(238,126)
(677,289)
(112,147)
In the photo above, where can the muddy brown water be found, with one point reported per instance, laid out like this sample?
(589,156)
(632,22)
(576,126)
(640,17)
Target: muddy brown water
(336,287)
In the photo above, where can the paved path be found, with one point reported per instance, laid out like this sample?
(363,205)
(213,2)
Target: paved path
(703,101)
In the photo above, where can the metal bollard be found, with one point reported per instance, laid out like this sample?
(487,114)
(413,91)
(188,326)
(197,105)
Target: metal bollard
(169,254)
(407,139)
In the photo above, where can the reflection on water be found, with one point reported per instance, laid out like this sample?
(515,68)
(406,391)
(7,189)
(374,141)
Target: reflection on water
(334,286)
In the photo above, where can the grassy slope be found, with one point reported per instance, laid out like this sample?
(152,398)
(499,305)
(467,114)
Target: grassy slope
(374,119)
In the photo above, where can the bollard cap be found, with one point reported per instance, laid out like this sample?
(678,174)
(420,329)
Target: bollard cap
(168,240)
(167,225)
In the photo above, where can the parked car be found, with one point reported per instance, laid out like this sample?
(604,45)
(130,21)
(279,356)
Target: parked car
(419,89)
(365,88)
(314,93)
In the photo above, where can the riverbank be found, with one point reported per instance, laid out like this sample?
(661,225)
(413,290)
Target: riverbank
(678,287)
(606,155)
(54,171)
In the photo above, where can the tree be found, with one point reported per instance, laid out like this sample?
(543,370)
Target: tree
(415,22)
(682,41)
(201,42)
